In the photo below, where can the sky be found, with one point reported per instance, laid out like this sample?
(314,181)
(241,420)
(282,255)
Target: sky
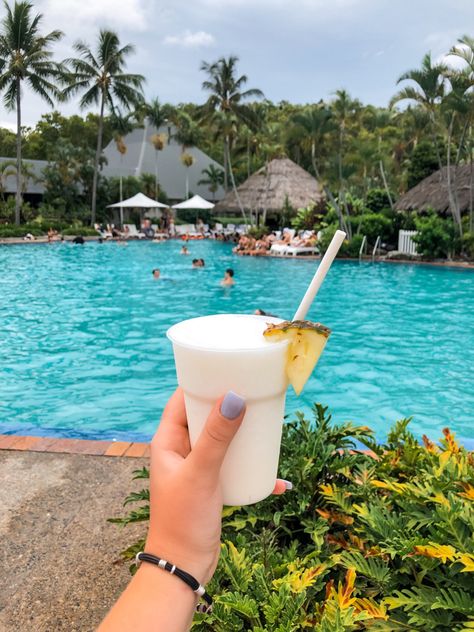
(299,50)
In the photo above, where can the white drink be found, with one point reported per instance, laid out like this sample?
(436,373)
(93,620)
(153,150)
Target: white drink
(215,354)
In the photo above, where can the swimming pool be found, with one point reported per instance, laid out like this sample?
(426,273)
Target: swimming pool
(83,351)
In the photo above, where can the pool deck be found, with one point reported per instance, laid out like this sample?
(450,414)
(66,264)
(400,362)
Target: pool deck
(74,446)
(60,569)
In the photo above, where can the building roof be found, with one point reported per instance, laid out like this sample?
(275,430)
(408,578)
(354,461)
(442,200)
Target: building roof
(270,187)
(138,159)
(432,192)
(141,155)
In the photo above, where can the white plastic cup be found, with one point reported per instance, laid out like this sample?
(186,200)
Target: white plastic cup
(216,354)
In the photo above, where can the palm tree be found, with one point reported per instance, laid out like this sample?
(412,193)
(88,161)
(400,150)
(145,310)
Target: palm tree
(428,91)
(121,125)
(188,134)
(316,123)
(157,114)
(25,56)
(465,50)
(102,77)
(214,178)
(225,108)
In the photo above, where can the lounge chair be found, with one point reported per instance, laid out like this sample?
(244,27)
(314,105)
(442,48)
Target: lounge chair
(300,250)
(133,232)
(278,249)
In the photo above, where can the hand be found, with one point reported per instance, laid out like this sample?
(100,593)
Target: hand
(185,493)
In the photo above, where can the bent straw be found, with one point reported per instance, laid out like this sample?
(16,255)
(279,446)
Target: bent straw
(320,274)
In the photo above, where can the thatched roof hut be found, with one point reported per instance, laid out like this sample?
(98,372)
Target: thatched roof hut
(432,192)
(269,188)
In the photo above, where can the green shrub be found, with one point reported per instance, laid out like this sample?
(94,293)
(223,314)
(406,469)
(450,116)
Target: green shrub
(468,245)
(435,238)
(372,225)
(378,200)
(10,230)
(257,232)
(380,541)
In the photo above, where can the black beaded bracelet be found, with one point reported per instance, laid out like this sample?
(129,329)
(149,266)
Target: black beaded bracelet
(188,579)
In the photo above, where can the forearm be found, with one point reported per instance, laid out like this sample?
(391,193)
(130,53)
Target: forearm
(154,601)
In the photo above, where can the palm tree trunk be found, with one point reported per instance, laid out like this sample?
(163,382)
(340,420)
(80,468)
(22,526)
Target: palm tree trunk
(471,193)
(384,179)
(97,159)
(327,190)
(18,198)
(156,174)
(187,183)
(231,173)
(226,165)
(452,200)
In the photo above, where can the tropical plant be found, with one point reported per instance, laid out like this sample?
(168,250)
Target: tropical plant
(213,179)
(226,109)
(315,123)
(102,76)
(158,115)
(121,125)
(26,58)
(378,539)
(435,237)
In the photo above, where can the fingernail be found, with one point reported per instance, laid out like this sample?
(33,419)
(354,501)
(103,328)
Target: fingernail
(232,405)
(288,485)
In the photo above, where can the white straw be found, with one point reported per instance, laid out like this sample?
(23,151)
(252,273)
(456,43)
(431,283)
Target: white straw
(320,274)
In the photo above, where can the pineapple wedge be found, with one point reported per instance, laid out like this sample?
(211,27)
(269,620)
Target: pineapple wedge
(306,343)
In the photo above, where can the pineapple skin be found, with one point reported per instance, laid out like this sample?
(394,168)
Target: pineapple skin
(306,343)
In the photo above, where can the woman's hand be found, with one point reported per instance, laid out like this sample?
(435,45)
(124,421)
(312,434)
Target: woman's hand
(186,497)
(185,520)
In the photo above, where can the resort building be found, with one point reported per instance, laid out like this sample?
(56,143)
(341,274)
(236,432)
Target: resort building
(175,179)
(282,183)
(139,156)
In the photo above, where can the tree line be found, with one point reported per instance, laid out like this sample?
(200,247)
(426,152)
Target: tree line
(350,147)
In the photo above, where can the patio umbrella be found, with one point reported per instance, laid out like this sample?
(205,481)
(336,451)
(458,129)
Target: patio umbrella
(195,203)
(137,201)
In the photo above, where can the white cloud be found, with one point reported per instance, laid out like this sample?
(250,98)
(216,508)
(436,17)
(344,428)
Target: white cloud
(8,125)
(188,39)
(77,14)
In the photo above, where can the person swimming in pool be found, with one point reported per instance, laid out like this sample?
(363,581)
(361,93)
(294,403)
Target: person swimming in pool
(156,273)
(228,279)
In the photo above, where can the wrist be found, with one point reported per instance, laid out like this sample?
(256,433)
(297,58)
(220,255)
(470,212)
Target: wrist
(200,566)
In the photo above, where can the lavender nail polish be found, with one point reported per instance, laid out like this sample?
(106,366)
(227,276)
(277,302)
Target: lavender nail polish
(288,485)
(232,405)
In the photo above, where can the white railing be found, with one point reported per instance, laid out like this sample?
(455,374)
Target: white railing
(406,245)
(362,246)
(377,245)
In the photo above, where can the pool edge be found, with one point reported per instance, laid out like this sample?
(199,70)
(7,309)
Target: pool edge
(90,447)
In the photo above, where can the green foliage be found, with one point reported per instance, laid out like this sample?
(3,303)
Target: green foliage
(423,163)
(372,225)
(468,244)
(377,200)
(435,238)
(190,216)
(379,540)
(307,218)
(257,232)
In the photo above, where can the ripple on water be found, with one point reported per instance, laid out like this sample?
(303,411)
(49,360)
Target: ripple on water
(83,350)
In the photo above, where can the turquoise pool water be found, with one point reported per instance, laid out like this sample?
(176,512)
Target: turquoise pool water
(83,351)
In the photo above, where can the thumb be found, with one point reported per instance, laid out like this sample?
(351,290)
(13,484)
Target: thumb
(220,428)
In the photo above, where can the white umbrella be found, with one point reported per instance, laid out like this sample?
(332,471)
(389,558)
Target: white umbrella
(137,201)
(196,202)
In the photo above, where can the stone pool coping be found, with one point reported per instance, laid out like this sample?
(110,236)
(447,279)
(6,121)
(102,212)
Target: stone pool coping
(57,445)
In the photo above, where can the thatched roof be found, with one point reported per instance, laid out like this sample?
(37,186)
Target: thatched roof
(269,187)
(432,192)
